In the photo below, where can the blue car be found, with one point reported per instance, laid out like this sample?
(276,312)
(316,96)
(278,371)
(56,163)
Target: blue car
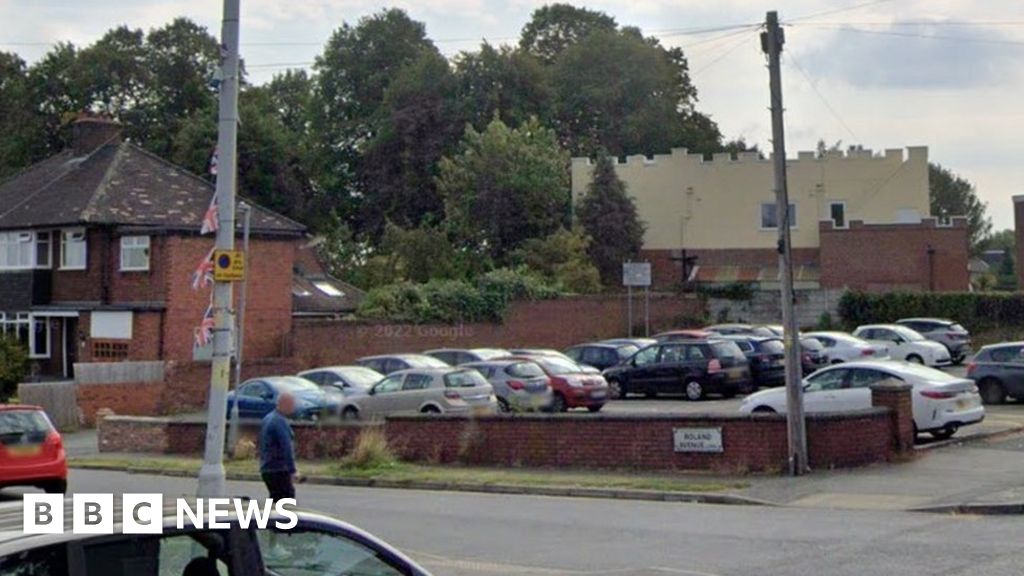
(257,397)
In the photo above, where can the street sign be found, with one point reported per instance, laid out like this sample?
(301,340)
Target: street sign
(228,265)
(697,439)
(636,274)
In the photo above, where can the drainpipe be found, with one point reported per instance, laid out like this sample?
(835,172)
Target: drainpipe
(931,268)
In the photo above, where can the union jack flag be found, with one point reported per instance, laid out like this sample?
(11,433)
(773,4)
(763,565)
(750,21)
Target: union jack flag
(203,276)
(210,223)
(204,332)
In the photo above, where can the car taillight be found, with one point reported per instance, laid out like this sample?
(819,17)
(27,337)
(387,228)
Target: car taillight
(937,394)
(516,385)
(867,352)
(971,367)
(714,366)
(452,395)
(53,439)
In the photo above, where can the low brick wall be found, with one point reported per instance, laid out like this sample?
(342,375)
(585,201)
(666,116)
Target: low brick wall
(130,398)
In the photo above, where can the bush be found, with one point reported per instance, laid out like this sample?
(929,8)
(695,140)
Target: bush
(515,284)
(738,291)
(13,366)
(976,311)
(371,451)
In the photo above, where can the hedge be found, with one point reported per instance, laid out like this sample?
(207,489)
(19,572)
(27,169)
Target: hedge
(976,311)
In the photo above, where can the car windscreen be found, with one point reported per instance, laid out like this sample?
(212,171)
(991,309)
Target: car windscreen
(489,353)
(811,344)
(294,385)
(957,328)
(908,334)
(626,351)
(772,347)
(464,379)
(20,423)
(361,377)
(426,362)
(727,350)
(558,366)
(929,374)
(524,370)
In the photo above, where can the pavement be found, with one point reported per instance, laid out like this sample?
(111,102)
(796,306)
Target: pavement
(461,534)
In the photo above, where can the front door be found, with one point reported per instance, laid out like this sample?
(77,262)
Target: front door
(69,337)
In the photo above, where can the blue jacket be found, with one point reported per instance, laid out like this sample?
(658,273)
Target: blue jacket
(277,451)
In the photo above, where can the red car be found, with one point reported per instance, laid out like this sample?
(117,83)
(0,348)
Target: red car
(679,335)
(31,450)
(572,386)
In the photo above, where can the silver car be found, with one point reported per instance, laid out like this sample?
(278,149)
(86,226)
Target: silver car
(842,347)
(950,334)
(349,380)
(520,385)
(388,363)
(426,391)
(459,356)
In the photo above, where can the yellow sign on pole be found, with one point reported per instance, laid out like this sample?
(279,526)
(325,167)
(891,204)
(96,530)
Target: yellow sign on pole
(228,265)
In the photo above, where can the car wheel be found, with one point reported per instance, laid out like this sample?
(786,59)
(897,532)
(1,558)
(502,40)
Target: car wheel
(992,391)
(915,359)
(945,433)
(55,487)
(764,410)
(615,390)
(430,410)
(694,390)
(595,409)
(503,406)
(558,403)
(350,413)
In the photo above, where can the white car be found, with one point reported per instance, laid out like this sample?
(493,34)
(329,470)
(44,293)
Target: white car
(905,344)
(841,347)
(942,403)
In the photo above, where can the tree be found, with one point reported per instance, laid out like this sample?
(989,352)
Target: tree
(608,215)
(24,130)
(555,27)
(561,258)
(420,254)
(511,84)
(13,366)
(952,195)
(506,186)
(1001,240)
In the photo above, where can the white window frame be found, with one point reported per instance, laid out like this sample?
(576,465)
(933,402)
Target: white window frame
(131,244)
(10,323)
(846,215)
(22,240)
(65,240)
(793,212)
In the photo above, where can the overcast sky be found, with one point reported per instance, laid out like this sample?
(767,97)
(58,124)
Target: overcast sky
(862,76)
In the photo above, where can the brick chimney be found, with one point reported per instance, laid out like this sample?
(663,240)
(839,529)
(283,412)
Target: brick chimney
(90,132)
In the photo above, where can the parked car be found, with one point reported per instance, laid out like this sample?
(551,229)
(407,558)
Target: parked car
(316,545)
(425,390)
(388,363)
(680,335)
(767,358)
(695,368)
(600,355)
(733,329)
(572,386)
(842,347)
(953,336)
(813,355)
(942,403)
(349,380)
(638,342)
(520,385)
(459,356)
(31,450)
(905,344)
(998,370)
(775,329)
(550,352)
(258,396)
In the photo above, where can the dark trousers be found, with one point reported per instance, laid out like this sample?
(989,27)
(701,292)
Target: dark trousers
(279,484)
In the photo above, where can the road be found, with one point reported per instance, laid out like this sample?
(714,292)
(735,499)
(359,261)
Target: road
(461,534)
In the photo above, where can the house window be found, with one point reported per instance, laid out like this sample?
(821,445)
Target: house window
(72,249)
(16,250)
(134,253)
(837,212)
(770,216)
(16,325)
(44,248)
(109,351)
(40,343)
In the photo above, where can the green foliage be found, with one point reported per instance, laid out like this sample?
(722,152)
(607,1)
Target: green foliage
(825,322)
(508,284)
(952,195)
(507,185)
(738,291)
(420,254)
(555,27)
(976,311)
(608,214)
(562,260)
(13,366)
(509,84)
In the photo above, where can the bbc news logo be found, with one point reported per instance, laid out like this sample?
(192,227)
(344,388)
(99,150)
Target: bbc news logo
(145,513)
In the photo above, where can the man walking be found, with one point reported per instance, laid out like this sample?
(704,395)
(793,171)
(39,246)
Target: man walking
(277,451)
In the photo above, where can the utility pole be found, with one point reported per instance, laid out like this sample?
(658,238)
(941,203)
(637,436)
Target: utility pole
(772,40)
(211,475)
(234,424)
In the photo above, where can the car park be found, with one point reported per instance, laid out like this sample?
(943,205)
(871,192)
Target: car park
(458,356)
(316,545)
(572,386)
(949,333)
(842,347)
(734,329)
(942,403)
(31,450)
(520,385)
(258,396)
(695,368)
(638,342)
(813,355)
(998,370)
(680,335)
(767,359)
(905,344)
(450,390)
(349,380)
(551,353)
(388,363)
(600,355)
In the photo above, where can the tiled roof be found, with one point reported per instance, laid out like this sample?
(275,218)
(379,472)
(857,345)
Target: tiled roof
(317,293)
(119,184)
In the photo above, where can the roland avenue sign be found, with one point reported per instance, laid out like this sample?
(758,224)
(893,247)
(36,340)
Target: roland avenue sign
(697,439)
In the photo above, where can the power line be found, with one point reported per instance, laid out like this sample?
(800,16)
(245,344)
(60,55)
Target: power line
(725,54)
(835,11)
(928,36)
(904,23)
(792,60)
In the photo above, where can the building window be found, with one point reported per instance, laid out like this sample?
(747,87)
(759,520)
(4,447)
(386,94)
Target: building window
(40,344)
(16,250)
(134,253)
(44,249)
(16,325)
(72,249)
(110,351)
(770,216)
(837,212)
(328,289)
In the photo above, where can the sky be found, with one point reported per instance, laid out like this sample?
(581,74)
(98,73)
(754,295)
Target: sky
(948,74)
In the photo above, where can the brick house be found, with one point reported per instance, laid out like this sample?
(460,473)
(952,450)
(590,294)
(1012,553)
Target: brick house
(98,245)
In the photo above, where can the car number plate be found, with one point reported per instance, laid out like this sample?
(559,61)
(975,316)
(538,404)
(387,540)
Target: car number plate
(482,410)
(598,394)
(24,451)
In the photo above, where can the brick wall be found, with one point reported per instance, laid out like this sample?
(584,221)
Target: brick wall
(884,257)
(668,272)
(547,323)
(129,398)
